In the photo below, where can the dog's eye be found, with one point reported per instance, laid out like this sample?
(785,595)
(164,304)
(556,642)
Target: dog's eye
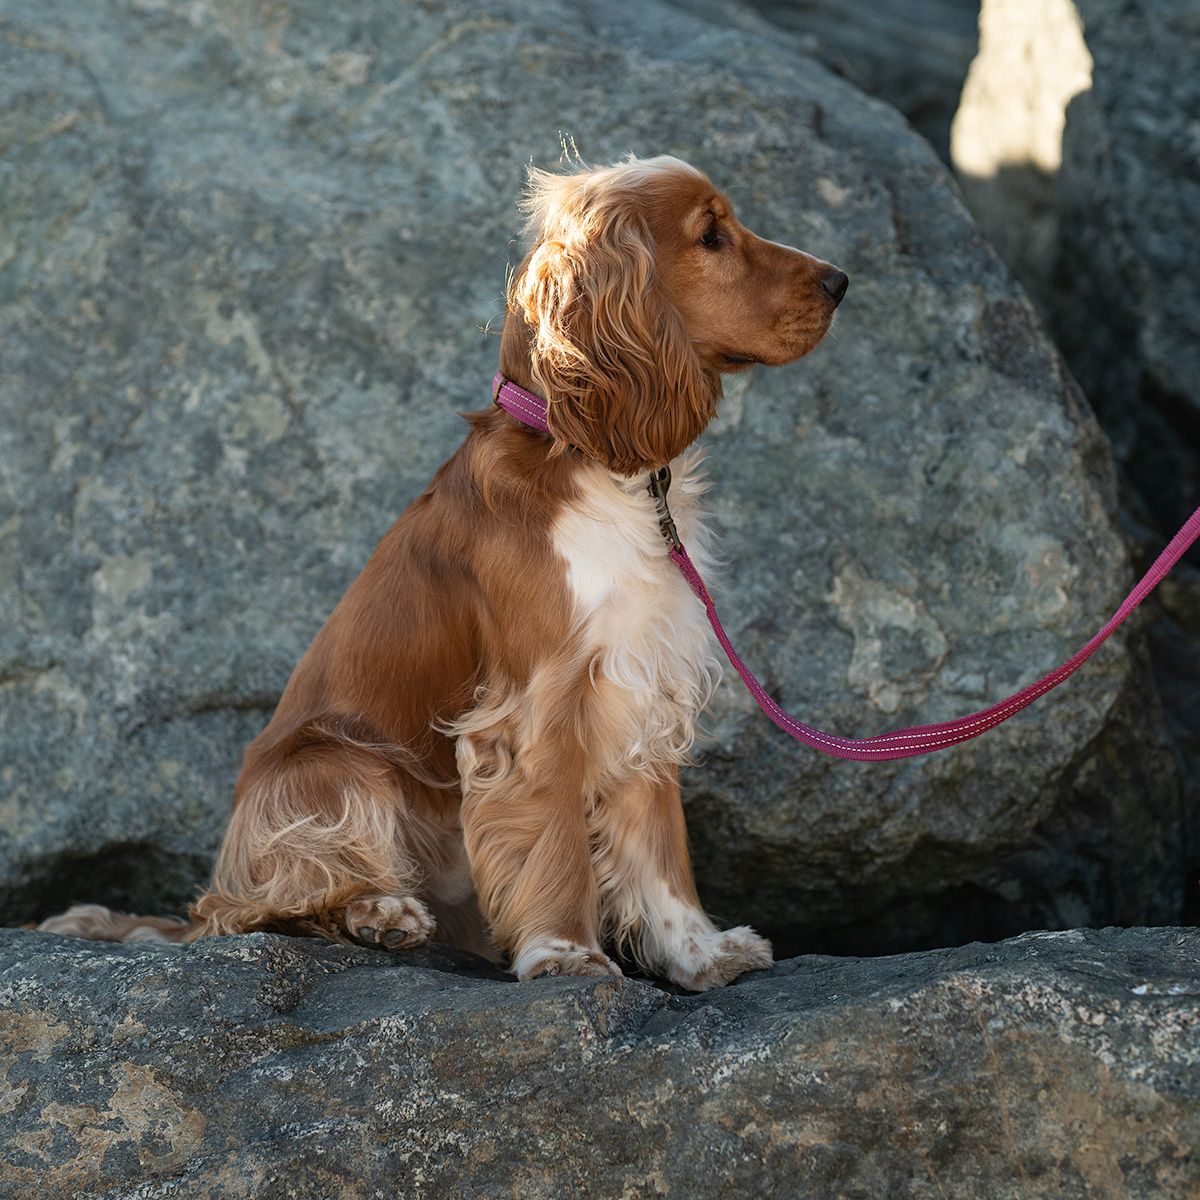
(711,238)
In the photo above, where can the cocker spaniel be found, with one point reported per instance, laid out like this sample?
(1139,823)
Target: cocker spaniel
(483,742)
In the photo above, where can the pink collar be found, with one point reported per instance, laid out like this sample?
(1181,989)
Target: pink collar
(525,406)
(530,409)
(900,743)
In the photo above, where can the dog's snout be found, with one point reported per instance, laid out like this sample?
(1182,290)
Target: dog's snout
(834,284)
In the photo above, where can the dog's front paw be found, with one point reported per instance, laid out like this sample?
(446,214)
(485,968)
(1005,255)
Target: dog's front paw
(557,956)
(709,960)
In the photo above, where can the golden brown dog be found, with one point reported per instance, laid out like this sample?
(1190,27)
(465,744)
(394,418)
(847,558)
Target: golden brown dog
(482,744)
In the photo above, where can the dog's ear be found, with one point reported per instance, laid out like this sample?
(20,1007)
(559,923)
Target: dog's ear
(610,356)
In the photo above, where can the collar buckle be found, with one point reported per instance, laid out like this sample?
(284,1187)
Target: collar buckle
(659,484)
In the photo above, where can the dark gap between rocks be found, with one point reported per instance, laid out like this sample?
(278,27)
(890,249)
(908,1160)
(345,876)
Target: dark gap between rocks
(136,877)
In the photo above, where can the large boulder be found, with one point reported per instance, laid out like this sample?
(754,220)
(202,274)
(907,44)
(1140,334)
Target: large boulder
(1077,141)
(1057,1065)
(249,252)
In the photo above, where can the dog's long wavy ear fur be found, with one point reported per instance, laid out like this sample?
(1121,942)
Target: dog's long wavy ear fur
(610,356)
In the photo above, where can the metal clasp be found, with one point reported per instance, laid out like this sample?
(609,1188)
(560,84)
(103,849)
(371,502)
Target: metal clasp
(659,485)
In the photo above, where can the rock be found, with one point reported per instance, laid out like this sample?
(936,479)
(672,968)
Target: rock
(1077,141)
(1007,138)
(1078,149)
(912,53)
(1174,640)
(249,251)
(1056,1065)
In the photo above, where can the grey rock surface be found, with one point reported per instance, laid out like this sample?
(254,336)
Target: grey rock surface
(1102,226)
(1078,149)
(247,251)
(1174,640)
(1128,314)
(912,53)
(1007,137)
(1129,317)
(1057,1065)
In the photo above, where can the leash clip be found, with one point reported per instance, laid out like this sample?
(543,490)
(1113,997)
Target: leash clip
(659,485)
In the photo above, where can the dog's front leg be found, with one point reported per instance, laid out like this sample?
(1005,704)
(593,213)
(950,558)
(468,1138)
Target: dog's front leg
(527,841)
(648,896)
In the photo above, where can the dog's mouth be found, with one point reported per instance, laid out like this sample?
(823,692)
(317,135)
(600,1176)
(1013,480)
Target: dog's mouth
(739,360)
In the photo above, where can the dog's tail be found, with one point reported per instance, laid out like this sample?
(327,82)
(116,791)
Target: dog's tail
(101,924)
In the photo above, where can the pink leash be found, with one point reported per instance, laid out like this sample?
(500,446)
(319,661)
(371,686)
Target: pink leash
(900,743)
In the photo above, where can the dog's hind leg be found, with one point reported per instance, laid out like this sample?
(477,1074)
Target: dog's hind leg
(101,924)
(321,841)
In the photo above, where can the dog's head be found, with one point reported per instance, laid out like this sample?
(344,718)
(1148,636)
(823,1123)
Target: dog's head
(641,288)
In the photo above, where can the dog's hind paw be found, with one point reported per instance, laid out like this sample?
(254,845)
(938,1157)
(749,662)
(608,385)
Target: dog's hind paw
(389,922)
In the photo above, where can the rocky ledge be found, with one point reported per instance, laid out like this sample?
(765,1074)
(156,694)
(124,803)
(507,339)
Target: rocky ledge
(1054,1064)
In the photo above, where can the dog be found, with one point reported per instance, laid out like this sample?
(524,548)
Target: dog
(483,742)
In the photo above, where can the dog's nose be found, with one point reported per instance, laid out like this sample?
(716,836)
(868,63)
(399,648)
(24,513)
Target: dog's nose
(834,284)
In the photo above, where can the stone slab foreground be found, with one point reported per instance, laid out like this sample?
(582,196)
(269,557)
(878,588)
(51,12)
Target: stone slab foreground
(1055,1064)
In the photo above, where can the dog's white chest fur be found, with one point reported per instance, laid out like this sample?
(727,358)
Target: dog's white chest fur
(652,657)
